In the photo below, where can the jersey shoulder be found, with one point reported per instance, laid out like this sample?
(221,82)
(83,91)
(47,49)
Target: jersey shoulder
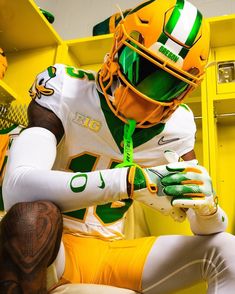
(182,125)
(57,82)
(183,119)
(47,81)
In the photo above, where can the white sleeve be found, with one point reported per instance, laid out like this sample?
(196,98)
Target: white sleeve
(29,176)
(206,225)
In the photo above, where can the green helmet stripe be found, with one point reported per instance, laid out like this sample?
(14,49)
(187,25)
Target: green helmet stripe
(163,38)
(195,29)
(183,25)
(183,52)
(174,16)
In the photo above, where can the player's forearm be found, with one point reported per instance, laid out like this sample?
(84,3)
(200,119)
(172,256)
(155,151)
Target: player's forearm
(69,191)
(206,225)
(29,177)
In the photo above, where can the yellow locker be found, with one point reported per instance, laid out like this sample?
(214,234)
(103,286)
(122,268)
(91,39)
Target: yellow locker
(30,44)
(220,96)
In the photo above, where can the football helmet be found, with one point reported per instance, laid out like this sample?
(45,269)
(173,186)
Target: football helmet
(159,55)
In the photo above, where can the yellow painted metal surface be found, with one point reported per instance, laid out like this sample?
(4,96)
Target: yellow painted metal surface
(30,44)
(224,55)
(220,99)
(225,161)
(24,66)
(23,27)
(7,95)
(92,50)
(222,30)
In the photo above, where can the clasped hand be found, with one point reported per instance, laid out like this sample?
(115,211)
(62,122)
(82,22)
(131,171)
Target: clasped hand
(189,185)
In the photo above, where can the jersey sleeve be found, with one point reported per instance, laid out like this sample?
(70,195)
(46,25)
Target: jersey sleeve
(47,88)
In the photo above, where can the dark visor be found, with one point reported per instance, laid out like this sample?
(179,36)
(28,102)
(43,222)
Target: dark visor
(147,77)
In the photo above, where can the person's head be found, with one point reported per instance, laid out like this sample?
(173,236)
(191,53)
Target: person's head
(159,55)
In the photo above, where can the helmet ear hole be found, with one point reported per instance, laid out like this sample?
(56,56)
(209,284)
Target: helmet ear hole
(143,21)
(203,58)
(194,71)
(137,36)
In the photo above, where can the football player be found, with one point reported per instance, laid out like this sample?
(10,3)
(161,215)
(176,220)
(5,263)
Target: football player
(81,126)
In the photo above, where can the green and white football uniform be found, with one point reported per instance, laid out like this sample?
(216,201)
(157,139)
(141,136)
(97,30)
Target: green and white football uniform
(93,140)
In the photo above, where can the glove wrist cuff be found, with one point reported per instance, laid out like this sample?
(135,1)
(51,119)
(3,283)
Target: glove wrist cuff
(210,209)
(137,179)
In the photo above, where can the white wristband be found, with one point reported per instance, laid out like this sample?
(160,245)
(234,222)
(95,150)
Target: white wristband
(207,224)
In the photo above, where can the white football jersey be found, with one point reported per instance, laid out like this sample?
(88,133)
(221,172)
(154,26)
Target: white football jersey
(93,140)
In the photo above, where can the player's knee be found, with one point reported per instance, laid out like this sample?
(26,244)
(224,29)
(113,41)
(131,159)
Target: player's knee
(224,244)
(31,217)
(33,231)
(223,238)
(222,255)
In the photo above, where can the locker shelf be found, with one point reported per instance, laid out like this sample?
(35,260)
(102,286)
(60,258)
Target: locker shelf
(22,27)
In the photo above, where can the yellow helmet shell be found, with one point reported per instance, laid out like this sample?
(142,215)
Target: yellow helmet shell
(151,18)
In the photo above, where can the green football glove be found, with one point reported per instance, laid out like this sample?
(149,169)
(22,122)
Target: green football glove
(190,186)
(145,186)
(172,188)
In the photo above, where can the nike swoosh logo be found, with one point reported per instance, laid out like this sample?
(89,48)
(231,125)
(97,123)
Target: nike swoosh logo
(102,186)
(161,141)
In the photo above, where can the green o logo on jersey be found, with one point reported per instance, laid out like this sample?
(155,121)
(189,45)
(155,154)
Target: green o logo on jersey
(78,183)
